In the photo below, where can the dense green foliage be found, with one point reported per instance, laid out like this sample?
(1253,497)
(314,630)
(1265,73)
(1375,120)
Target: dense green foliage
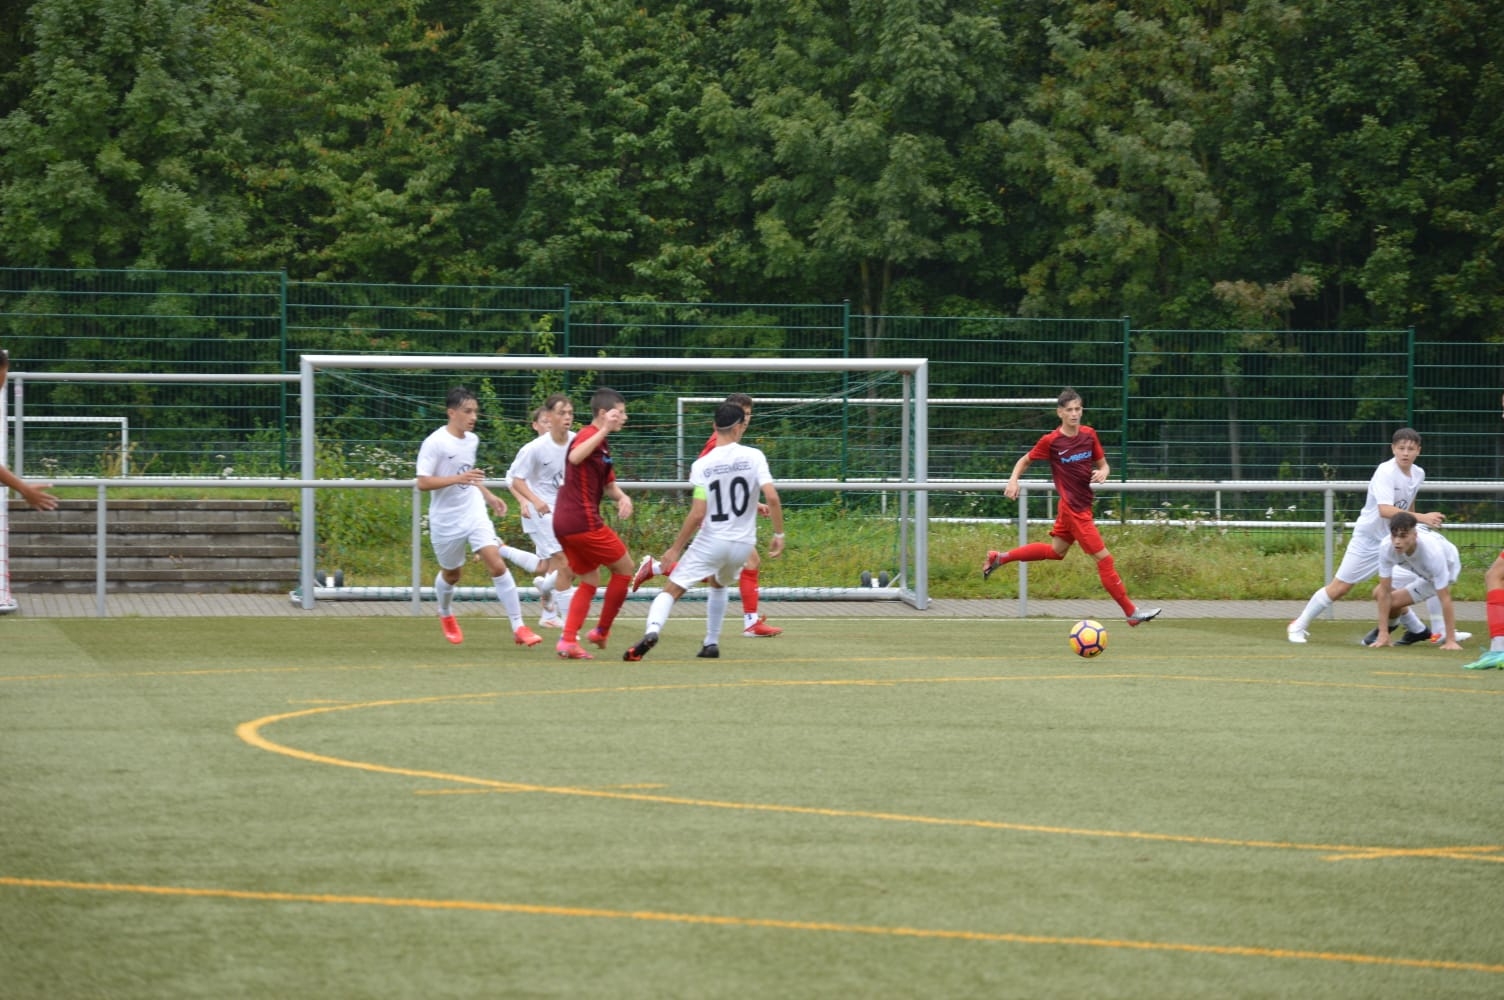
(1316,163)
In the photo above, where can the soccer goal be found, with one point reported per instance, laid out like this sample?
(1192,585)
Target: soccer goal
(850,474)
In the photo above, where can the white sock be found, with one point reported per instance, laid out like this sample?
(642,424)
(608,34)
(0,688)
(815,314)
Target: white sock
(716,603)
(546,584)
(561,601)
(1318,603)
(1496,644)
(506,592)
(1412,622)
(520,557)
(443,592)
(662,607)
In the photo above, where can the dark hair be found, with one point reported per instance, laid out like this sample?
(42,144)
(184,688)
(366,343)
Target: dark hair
(1405,434)
(729,415)
(1067,397)
(740,399)
(605,399)
(1403,521)
(458,397)
(555,399)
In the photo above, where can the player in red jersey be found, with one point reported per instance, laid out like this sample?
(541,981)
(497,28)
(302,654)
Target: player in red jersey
(587,541)
(754,625)
(1493,585)
(1076,461)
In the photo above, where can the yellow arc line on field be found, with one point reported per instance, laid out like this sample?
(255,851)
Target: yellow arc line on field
(711,920)
(250,732)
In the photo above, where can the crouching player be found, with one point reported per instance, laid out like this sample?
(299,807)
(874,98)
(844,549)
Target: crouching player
(1414,564)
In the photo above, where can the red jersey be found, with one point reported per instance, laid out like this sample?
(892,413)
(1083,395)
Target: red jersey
(579,505)
(709,445)
(1072,461)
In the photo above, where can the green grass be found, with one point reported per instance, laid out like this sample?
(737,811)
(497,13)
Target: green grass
(885,807)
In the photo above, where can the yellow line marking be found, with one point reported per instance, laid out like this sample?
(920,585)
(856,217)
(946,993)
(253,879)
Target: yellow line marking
(250,732)
(713,920)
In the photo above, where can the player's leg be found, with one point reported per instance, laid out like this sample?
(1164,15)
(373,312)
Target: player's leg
(609,551)
(716,603)
(754,625)
(1359,562)
(506,592)
(1493,582)
(588,573)
(1056,548)
(450,553)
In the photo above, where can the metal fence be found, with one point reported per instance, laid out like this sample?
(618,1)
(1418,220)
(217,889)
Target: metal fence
(1231,405)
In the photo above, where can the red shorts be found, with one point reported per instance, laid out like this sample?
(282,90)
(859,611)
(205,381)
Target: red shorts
(1079,527)
(588,551)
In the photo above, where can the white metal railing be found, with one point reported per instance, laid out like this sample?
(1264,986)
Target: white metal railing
(1028,488)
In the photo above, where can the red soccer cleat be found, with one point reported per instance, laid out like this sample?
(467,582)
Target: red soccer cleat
(761,628)
(597,637)
(644,573)
(571,651)
(525,636)
(451,629)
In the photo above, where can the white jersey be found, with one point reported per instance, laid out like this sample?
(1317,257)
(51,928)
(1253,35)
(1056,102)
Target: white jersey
(1388,486)
(729,479)
(540,463)
(452,510)
(1435,560)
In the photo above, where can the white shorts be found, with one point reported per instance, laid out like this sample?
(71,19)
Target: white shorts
(1360,561)
(450,549)
(1420,589)
(706,558)
(541,531)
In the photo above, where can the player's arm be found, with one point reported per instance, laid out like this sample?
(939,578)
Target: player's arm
(35,496)
(472,477)
(623,502)
(497,504)
(1100,470)
(1384,598)
(1448,615)
(775,512)
(1019,468)
(531,503)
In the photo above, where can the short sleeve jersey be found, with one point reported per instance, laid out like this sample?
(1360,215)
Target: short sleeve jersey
(1072,460)
(1388,486)
(540,463)
(729,479)
(452,510)
(579,505)
(1434,560)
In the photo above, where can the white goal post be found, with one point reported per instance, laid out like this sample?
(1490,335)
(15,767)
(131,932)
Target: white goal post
(912,580)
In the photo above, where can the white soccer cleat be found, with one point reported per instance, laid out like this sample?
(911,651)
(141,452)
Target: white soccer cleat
(1295,633)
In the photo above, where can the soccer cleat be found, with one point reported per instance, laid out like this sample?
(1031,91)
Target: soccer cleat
(637,652)
(1488,661)
(597,637)
(1295,633)
(1140,616)
(1437,638)
(571,651)
(550,621)
(709,651)
(1411,638)
(994,560)
(451,629)
(761,628)
(644,573)
(1373,634)
(525,636)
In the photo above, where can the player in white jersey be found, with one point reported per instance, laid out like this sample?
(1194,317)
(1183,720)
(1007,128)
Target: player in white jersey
(722,520)
(1391,490)
(534,479)
(1415,564)
(458,517)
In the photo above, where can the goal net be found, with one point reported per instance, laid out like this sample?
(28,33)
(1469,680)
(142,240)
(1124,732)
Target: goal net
(844,439)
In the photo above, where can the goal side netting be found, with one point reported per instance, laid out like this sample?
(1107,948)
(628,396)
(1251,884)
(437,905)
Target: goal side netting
(844,440)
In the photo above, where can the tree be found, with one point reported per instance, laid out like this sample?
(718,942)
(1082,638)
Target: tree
(119,154)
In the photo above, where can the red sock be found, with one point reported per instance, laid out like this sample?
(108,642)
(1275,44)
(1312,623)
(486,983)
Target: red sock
(1495,613)
(616,596)
(1033,553)
(747,583)
(579,610)
(1114,584)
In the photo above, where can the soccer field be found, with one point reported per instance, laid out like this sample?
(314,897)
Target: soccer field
(886,807)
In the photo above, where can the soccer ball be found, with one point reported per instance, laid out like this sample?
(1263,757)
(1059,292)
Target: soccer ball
(1088,638)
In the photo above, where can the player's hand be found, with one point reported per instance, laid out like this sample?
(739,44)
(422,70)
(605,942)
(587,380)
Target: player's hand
(1382,640)
(624,506)
(36,497)
(775,547)
(1432,519)
(1451,644)
(763,510)
(498,505)
(1011,490)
